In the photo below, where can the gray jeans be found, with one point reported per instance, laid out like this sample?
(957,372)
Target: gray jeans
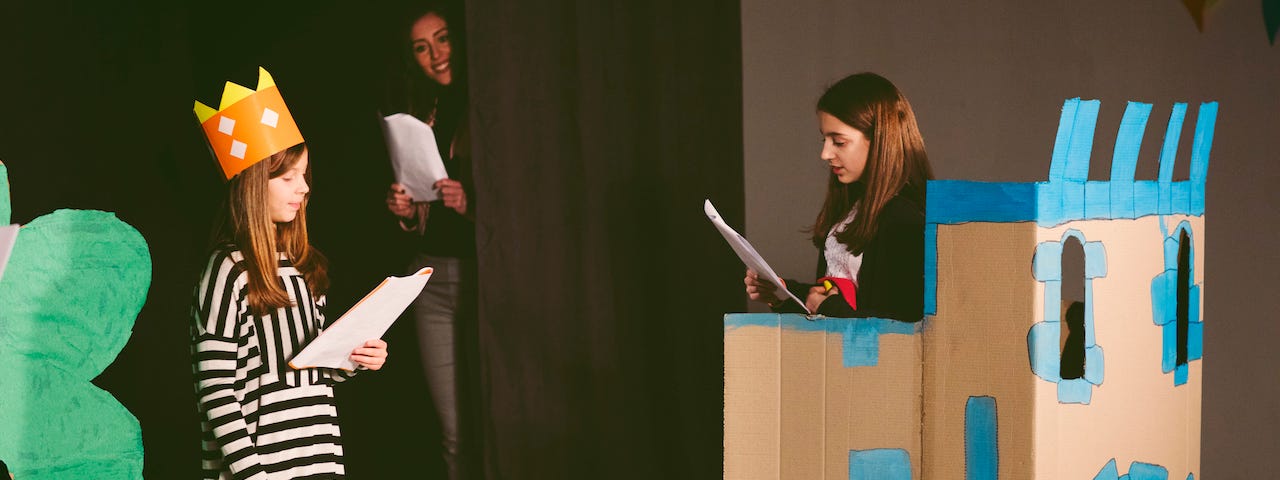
(436,312)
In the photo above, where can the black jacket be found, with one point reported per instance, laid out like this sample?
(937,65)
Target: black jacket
(891,279)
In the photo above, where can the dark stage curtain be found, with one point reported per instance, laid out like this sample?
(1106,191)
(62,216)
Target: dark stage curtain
(598,129)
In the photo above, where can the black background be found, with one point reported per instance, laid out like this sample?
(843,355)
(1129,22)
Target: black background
(599,129)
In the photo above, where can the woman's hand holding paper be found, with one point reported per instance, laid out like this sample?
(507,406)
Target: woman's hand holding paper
(399,202)
(453,195)
(758,290)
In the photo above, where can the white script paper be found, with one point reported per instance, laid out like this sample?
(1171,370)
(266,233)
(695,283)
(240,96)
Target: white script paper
(8,236)
(748,253)
(367,320)
(414,155)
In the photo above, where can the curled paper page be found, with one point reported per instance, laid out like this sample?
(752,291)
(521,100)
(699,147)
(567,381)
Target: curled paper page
(748,253)
(367,320)
(415,157)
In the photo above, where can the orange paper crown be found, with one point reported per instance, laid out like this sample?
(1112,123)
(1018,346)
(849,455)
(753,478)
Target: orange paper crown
(248,125)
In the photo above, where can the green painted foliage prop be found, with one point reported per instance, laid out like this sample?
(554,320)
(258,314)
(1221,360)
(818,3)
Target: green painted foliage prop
(73,287)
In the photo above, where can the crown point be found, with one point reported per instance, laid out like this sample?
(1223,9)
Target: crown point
(264,79)
(233,93)
(204,112)
(236,139)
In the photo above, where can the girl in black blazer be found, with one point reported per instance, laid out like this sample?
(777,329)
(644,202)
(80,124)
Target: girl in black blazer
(870,231)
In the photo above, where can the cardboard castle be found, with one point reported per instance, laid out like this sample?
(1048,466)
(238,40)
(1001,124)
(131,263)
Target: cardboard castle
(1003,379)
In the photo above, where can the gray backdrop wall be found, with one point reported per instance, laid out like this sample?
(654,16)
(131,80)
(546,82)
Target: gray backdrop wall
(987,82)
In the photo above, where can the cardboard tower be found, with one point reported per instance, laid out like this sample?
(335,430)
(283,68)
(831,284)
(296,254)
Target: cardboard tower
(1004,379)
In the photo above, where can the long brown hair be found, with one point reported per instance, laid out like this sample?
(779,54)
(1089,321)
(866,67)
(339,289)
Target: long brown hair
(246,222)
(896,160)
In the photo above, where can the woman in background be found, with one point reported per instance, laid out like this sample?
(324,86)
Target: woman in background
(870,231)
(445,228)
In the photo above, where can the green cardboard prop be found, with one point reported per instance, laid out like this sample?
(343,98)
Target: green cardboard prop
(74,285)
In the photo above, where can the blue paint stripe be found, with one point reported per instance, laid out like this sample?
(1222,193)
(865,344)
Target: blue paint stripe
(861,344)
(1203,142)
(1073,198)
(1062,141)
(1080,145)
(981,444)
(1137,471)
(1147,471)
(1169,151)
(1068,195)
(1097,200)
(880,464)
(1053,301)
(1180,197)
(1095,259)
(1171,251)
(1146,198)
(1044,348)
(959,201)
(1075,391)
(931,269)
(736,320)
(1122,199)
(1162,297)
(1094,365)
(1168,157)
(1049,211)
(1193,306)
(1169,342)
(1200,154)
(1124,161)
(792,321)
(1195,341)
(861,336)
(1046,264)
(1108,472)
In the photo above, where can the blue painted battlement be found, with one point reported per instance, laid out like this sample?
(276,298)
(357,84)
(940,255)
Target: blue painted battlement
(1069,195)
(861,335)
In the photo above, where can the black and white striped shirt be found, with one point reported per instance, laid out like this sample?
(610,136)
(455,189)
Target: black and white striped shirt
(260,418)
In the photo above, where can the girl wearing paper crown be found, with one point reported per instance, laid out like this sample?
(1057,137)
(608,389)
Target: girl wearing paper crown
(870,231)
(260,299)
(443,229)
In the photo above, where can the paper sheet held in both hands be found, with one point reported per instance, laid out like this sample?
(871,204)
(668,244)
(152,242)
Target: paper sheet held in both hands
(367,320)
(748,253)
(414,156)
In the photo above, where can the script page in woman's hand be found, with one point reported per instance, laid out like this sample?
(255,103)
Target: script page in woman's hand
(415,158)
(748,253)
